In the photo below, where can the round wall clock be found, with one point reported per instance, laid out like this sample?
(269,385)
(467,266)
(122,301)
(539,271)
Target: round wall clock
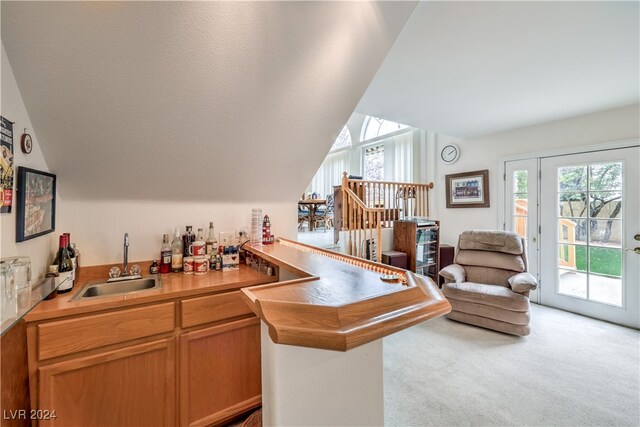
(450,153)
(26,143)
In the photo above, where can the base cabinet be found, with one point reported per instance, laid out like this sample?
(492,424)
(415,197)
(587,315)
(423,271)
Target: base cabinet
(189,362)
(130,386)
(219,366)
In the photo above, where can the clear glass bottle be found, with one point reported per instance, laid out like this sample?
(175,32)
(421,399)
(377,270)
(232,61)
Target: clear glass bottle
(212,242)
(176,253)
(165,255)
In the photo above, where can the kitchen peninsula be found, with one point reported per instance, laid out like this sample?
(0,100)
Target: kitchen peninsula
(153,357)
(334,319)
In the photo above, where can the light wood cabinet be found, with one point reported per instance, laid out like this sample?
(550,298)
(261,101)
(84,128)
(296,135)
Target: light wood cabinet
(219,366)
(124,367)
(132,386)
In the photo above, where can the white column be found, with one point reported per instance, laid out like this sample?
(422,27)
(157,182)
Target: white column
(310,387)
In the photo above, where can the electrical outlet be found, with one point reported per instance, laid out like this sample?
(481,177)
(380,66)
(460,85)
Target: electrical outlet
(227,238)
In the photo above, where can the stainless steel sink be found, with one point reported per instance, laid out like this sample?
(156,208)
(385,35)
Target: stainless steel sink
(118,288)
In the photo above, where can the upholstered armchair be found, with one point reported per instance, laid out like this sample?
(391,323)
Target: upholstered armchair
(488,286)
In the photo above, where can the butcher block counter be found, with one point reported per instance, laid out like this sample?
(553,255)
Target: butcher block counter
(342,302)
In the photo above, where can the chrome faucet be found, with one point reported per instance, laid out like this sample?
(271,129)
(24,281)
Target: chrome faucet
(125,260)
(115,275)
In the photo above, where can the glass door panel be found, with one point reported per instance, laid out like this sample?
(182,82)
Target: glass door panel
(593,209)
(521,208)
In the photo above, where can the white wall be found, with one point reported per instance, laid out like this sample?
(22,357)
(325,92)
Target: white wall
(484,153)
(40,249)
(98,226)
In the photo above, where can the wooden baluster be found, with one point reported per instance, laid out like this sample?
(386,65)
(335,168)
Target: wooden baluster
(354,214)
(358,219)
(347,221)
(351,224)
(387,212)
(371,222)
(379,239)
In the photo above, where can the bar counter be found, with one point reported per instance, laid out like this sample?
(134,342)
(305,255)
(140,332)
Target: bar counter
(341,302)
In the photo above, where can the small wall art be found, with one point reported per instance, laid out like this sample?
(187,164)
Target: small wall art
(468,189)
(36,204)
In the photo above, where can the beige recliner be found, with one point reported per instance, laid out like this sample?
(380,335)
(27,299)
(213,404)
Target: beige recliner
(488,285)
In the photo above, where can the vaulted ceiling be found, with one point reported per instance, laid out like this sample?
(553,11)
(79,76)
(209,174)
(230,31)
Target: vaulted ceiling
(222,101)
(469,69)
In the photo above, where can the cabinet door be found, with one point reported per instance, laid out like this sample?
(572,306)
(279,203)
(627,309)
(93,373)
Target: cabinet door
(219,372)
(132,386)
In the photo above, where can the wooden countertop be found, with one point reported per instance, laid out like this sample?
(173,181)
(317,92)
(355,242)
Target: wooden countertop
(342,302)
(174,285)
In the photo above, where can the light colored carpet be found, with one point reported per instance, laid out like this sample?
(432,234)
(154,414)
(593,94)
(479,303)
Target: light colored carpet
(571,371)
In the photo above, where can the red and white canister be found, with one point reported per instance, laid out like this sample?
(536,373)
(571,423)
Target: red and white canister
(187,265)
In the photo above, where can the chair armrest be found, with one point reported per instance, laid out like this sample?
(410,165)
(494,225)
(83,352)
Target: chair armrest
(454,273)
(523,282)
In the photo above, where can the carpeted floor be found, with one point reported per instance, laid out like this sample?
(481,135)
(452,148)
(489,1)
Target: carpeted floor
(571,371)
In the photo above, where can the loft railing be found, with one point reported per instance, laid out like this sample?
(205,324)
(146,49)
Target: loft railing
(368,206)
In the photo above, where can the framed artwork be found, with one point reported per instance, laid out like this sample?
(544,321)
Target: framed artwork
(6,165)
(468,189)
(36,204)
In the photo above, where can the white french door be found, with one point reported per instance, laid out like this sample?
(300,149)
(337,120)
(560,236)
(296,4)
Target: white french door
(521,208)
(590,219)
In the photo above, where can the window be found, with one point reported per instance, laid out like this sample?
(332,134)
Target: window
(343,140)
(374,163)
(374,127)
(520,202)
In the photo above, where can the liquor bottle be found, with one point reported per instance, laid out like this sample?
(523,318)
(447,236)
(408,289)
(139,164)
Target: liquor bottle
(176,253)
(212,242)
(155,268)
(199,246)
(187,241)
(72,255)
(78,258)
(65,266)
(165,255)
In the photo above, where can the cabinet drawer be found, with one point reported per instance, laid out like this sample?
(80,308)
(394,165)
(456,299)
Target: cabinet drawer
(197,311)
(88,332)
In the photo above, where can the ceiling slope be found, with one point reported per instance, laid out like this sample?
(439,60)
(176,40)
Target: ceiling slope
(221,101)
(469,69)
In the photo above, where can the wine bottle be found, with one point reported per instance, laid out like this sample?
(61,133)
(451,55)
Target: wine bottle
(72,255)
(165,255)
(65,266)
(176,253)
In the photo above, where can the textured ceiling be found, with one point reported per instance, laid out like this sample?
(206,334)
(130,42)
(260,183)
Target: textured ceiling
(221,101)
(469,69)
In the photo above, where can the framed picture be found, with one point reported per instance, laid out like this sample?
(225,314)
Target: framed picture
(468,189)
(36,207)
(6,165)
